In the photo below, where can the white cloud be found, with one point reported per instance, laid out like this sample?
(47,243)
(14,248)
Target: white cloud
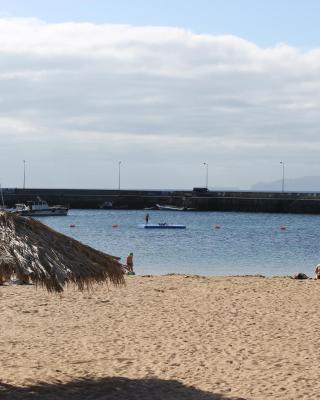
(153,94)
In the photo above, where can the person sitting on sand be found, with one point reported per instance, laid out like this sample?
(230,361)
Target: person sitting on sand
(317,271)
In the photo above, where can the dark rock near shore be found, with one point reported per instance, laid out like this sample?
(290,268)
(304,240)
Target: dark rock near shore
(300,275)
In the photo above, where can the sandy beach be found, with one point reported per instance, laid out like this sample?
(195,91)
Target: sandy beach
(169,337)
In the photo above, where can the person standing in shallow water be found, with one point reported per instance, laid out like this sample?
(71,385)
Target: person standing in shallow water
(130,262)
(147,218)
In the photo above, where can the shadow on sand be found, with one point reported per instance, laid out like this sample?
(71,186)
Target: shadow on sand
(109,389)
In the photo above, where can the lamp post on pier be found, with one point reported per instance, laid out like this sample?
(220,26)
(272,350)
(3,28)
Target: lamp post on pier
(207,173)
(282,163)
(24,174)
(119,175)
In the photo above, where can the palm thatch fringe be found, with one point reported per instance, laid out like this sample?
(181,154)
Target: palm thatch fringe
(32,251)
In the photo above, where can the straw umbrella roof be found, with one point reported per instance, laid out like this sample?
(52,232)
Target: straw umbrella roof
(32,251)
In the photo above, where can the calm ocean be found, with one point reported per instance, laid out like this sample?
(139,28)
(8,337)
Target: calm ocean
(245,243)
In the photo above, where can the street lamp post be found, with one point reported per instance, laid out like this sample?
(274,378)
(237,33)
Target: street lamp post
(207,173)
(24,174)
(281,162)
(119,175)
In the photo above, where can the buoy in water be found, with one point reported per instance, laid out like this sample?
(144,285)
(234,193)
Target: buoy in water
(283,228)
(72,226)
(217,226)
(114,226)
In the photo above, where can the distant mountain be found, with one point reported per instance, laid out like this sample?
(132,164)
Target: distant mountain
(304,184)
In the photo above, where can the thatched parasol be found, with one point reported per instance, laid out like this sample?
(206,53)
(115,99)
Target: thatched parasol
(34,252)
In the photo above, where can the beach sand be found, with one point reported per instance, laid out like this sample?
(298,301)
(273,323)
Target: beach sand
(169,337)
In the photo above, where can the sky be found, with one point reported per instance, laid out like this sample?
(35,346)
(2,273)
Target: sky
(163,87)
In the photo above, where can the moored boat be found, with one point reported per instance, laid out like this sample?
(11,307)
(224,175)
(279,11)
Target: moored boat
(169,208)
(107,205)
(39,208)
(172,208)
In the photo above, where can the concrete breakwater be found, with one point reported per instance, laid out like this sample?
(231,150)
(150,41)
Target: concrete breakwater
(199,200)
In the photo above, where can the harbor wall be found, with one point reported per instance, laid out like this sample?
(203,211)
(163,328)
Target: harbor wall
(272,202)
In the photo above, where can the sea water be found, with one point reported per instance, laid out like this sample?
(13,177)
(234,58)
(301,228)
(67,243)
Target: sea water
(213,243)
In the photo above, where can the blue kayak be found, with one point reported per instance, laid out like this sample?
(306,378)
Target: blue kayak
(162,225)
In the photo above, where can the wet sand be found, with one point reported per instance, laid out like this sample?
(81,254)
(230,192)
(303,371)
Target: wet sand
(169,337)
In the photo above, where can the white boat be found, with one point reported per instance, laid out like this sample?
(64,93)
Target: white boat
(172,208)
(107,205)
(169,208)
(39,208)
(162,225)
